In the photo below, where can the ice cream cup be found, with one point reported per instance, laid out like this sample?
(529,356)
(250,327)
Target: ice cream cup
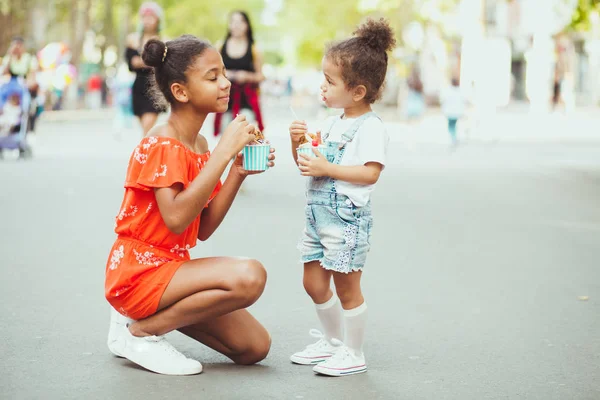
(256,157)
(309,150)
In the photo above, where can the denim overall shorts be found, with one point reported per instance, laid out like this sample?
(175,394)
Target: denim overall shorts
(336,233)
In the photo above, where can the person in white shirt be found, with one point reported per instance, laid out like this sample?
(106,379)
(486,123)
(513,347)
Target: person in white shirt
(338,224)
(453,106)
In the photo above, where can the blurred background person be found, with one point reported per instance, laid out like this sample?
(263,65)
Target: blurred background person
(243,62)
(144,107)
(453,103)
(415,99)
(21,66)
(121,89)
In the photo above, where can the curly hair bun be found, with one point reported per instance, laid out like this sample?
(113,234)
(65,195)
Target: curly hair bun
(377,34)
(154,51)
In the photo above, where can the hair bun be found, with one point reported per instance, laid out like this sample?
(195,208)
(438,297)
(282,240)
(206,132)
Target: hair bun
(153,53)
(377,34)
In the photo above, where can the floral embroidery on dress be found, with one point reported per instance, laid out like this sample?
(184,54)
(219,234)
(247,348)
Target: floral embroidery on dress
(149,208)
(180,251)
(124,214)
(162,172)
(116,258)
(119,291)
(142,157)
(166,142)
(139,156)
(148,258)
(151,141)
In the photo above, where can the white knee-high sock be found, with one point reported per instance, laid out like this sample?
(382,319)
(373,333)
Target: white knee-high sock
(355,322)
(330,315)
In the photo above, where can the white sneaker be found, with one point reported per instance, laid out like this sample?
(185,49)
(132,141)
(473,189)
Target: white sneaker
(157,355)
(316,352)
(344,362)
(116,334)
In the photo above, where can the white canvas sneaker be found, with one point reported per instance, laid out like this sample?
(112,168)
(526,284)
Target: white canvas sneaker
(344,362)
(316,352)
(116,334)
(157,355)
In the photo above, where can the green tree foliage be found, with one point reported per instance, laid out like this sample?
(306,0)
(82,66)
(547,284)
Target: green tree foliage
(581,17)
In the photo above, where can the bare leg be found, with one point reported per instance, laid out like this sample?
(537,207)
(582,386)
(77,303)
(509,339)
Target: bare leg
(347,287)
(202,290)
(148,120)
(317,282)
(223,335)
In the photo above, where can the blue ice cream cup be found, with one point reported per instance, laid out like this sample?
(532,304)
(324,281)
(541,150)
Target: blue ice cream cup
(256,157)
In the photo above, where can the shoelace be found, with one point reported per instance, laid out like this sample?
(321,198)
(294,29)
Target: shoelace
(317,334)
(165,345)
(342,351)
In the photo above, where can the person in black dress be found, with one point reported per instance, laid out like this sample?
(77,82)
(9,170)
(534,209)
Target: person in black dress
(243,62)
(144,107)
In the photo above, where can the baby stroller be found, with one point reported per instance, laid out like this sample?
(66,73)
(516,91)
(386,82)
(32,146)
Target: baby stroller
(16,138)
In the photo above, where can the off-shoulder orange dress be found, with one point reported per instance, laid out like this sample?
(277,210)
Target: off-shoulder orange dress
(147,254)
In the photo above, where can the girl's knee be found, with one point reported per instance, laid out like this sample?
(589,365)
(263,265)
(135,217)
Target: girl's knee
(349,296)
(250,280)
(318,291)
(258,351)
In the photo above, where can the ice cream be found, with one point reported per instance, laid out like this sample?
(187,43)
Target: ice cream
(259,138)
(307,140)
(310,141)
(256,153)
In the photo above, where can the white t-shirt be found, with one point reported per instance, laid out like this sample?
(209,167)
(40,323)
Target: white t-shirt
(453,102)
(369,145)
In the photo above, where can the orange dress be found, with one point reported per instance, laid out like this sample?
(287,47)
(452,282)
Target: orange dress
(147,254)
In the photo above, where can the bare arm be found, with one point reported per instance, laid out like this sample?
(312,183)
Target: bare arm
(257,76)
(213,215)
(136,61)
(4,68)
(367,174)
(178,206)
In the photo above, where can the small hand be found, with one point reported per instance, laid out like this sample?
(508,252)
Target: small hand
(237,134)
(316,166)
(298,129)
(238,165)
(232,75)
(242,76)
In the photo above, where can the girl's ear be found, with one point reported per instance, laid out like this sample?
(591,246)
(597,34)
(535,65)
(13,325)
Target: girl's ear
(359,93)
(179,92)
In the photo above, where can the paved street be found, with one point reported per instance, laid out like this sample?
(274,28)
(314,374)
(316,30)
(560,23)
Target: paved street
(482,282)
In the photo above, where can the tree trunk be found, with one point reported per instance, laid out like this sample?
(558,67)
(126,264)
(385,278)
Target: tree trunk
(79,25)
(107,30)
(13,22)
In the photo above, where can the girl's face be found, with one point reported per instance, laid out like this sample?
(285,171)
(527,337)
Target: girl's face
(150,22)
(207,88)
(333,89)
(238,26)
